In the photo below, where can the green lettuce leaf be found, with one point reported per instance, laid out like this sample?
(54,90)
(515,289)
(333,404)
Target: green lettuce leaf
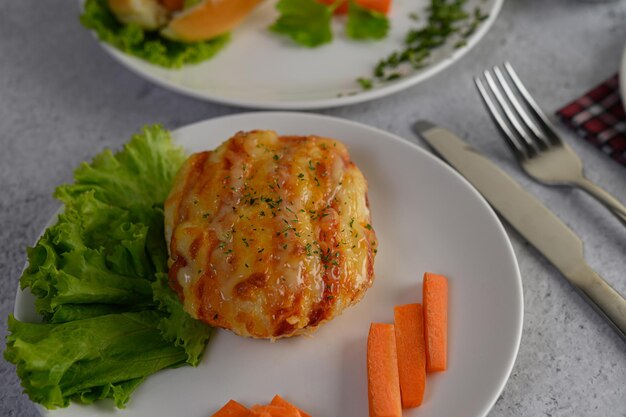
(365,24)
(91,359)
(177,326)
(99,279)
(306,22)
(137,178)
(72,312)
(150,46)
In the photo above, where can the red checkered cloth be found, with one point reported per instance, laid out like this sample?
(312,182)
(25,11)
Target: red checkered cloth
(598,116)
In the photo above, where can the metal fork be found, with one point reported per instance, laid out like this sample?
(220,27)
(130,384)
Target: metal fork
(532,138)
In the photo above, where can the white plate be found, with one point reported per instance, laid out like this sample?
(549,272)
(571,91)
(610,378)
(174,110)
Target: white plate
(262,70)
(427,218)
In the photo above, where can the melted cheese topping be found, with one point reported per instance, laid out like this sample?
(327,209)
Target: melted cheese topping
(270,236)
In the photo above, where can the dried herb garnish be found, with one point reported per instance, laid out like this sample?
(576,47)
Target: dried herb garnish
(445,19)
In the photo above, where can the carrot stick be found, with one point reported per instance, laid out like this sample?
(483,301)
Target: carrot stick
(383,385)
(279,401)
(435,295)
(273,411)
(256,412)
(232,409)
(409,324)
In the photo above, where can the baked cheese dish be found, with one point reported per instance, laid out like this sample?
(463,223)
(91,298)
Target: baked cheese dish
(270,236)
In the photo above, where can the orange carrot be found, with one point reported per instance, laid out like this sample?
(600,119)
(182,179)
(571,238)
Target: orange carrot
(381,6)
(281,402)
(383,385)
(232,409)
(259,413)
(409,324)
(435,295)
(273,411)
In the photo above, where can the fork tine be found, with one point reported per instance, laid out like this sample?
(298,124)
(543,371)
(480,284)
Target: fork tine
(509,137)
(532,104)
(540,138)
(527,141)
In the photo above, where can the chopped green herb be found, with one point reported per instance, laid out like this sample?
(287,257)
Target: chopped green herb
(366,83)
(445,19)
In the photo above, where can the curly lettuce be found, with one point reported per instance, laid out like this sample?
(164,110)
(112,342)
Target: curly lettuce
(147,45)
(98,275)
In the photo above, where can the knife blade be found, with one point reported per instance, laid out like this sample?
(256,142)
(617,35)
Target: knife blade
(535,222)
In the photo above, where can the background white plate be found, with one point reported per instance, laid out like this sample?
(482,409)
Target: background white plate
(427,218)
(263,70)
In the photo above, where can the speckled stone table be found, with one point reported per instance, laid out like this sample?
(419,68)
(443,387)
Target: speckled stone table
(62,99)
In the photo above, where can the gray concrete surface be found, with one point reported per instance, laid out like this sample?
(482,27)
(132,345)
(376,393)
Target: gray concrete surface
(62,99)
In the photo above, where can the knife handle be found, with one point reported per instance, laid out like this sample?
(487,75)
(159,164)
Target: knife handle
(606,301)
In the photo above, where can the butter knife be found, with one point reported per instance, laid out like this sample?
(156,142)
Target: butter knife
(538,225)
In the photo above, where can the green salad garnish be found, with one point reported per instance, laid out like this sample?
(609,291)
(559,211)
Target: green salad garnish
(147,45)
(99,278)
(365,24)
(308,22)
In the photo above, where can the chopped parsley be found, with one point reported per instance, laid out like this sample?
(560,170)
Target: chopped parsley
(445,19)
(366,83)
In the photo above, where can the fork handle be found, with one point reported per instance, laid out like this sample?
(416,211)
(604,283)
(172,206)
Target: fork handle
(603,298)
(610,202)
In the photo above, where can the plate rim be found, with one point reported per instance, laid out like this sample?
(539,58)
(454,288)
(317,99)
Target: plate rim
(512,355)
(431,70)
